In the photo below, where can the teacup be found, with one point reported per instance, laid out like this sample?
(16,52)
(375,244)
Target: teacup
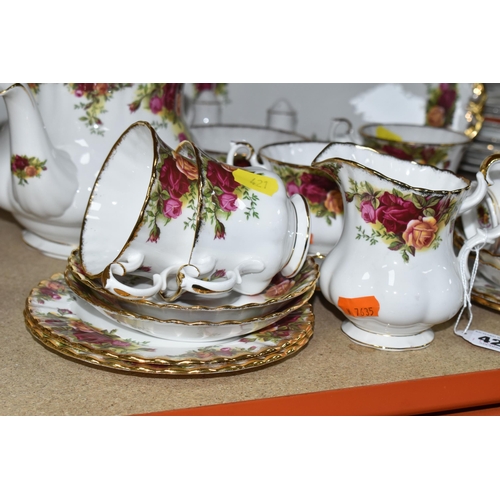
(216,140)
(250,226)
(291,161)
(142,213)
(188,222)
(438,147)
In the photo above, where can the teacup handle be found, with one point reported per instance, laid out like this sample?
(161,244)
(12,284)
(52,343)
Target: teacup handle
(341,130)
(251,155)
(188,280)
(116,287)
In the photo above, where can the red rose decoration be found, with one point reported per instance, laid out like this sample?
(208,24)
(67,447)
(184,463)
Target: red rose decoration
(395,213)
(172,179)
(221,177)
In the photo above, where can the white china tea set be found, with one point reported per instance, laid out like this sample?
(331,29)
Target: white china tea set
(167,239)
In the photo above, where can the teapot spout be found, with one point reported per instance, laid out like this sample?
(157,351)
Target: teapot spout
(43,179)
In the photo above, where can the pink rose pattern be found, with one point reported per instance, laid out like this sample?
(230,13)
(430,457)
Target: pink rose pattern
(441,104)
(219,89)
(321,192)
(221,193)
(405,222)
(440,108)
(175,189)
(437,156)
(64,322)
(164,100)
(92,99)
(25,167)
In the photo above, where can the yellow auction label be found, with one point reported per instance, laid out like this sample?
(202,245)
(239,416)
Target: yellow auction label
(261,183)
(383,133)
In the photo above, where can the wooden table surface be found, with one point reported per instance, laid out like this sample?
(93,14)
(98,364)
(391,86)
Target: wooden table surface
(330,376)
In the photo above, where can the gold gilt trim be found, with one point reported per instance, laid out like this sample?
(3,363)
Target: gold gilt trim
(297,303)
(33,325)
(475,107)
(482,300)
(309,266)
(281,163)
(96,360)
(385,348)
(140,219)
(486,164)
(306,323)
(321,164)
(464,140)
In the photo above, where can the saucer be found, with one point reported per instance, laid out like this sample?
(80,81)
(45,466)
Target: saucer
(55,316)
(174,329)
(232,307)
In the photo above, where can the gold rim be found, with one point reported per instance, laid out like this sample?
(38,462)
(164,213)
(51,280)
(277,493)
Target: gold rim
(55,345)
(487,162)
(288,143)
(372,137)
(307,320)
(298,302)
(162,363)
(475,110)
(309,266)
(482,300)
(320,164)
(140,219)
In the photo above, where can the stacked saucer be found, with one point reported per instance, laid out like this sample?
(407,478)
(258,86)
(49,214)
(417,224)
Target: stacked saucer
(74,316)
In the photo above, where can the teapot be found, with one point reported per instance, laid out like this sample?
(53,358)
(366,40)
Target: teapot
(55,141)
(394,273)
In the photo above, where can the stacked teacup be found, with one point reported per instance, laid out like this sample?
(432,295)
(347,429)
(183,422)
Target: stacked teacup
(169,230)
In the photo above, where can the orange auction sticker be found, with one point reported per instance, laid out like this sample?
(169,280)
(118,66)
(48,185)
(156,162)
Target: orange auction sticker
(359,306)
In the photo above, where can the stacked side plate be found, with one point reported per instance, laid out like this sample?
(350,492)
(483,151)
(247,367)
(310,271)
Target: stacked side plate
(75,316)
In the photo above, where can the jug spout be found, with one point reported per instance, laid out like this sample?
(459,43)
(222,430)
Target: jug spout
(43,179)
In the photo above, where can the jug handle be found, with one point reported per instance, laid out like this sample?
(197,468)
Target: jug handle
(483,181)
(250,153)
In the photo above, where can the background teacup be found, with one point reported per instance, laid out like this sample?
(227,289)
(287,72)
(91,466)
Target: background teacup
(216,140)
(439,147)
(291,161)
